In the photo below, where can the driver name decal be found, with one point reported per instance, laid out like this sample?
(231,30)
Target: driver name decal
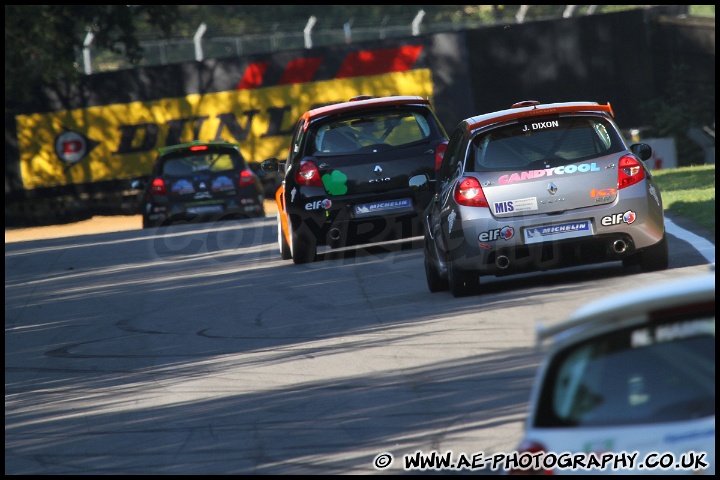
(541,125)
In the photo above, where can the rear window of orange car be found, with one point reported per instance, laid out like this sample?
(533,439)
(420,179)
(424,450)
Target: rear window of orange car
(381,130)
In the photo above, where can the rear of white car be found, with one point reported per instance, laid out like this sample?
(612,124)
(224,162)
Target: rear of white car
(630,381)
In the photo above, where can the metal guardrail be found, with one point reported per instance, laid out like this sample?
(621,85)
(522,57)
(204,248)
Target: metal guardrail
(163,52)
(303,34)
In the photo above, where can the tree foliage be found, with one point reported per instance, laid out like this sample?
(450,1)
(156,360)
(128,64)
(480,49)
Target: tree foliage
(44,42)
(683,105)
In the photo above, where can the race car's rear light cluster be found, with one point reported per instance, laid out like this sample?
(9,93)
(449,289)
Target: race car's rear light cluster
(440,154)
(630,171)
(530,448)
(468,192)
(246,178)
(307,174)
(157,187)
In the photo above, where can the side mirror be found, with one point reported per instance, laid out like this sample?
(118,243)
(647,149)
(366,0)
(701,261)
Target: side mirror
(641,150)
(137,184)
(255,168)
(419,182)
(271,165)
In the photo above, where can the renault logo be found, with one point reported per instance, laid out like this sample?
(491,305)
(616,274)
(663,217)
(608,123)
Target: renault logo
(378,169)
(552,188)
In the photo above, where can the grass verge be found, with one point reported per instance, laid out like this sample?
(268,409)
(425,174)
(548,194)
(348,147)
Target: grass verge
(690,192)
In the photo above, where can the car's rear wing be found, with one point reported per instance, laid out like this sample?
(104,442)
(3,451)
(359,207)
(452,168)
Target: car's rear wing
(533,109)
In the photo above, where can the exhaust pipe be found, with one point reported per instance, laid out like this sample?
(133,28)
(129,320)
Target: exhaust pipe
(335,234)
(502,262)
(619,246)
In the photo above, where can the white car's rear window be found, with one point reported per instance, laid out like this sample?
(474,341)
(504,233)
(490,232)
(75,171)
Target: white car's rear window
(653,374)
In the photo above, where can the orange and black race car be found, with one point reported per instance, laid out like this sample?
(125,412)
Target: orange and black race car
(346,176)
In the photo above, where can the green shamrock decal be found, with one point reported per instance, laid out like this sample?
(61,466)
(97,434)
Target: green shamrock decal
(335,183)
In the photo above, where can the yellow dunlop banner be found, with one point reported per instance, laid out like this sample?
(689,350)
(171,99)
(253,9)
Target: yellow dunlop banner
(116,142)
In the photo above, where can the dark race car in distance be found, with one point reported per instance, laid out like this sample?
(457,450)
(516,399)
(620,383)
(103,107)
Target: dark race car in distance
(200,181)
(539,187)
(347,172)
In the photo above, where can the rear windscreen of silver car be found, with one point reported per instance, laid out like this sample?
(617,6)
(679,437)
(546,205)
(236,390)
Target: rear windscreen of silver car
(544,143)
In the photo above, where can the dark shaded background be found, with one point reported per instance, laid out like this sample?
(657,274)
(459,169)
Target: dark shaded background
(624,58)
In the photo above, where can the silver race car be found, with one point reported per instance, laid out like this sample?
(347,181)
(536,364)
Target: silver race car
(539,187)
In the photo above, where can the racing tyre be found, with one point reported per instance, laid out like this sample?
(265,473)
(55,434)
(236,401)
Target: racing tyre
(147,223)
(303,248)
(461,282)
(168,222)
(285,252)
(656,257)
(435,281)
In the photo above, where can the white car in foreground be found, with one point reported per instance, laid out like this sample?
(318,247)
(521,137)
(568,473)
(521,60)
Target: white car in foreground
(628,384)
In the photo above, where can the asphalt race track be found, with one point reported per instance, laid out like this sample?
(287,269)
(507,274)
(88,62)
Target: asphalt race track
(195,350)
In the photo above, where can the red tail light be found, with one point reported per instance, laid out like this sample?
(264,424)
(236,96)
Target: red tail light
(157,187)
(440,154)
(630,171)
(307,174)
(529,448)
(246,178)
(468,192)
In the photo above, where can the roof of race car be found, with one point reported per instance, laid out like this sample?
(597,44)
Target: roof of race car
(532,108)
(629,306)
(362,102)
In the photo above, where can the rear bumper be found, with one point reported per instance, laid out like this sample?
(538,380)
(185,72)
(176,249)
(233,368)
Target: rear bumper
(502,246)
(158,213)
(337,227)
(545,256)
(336,222)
